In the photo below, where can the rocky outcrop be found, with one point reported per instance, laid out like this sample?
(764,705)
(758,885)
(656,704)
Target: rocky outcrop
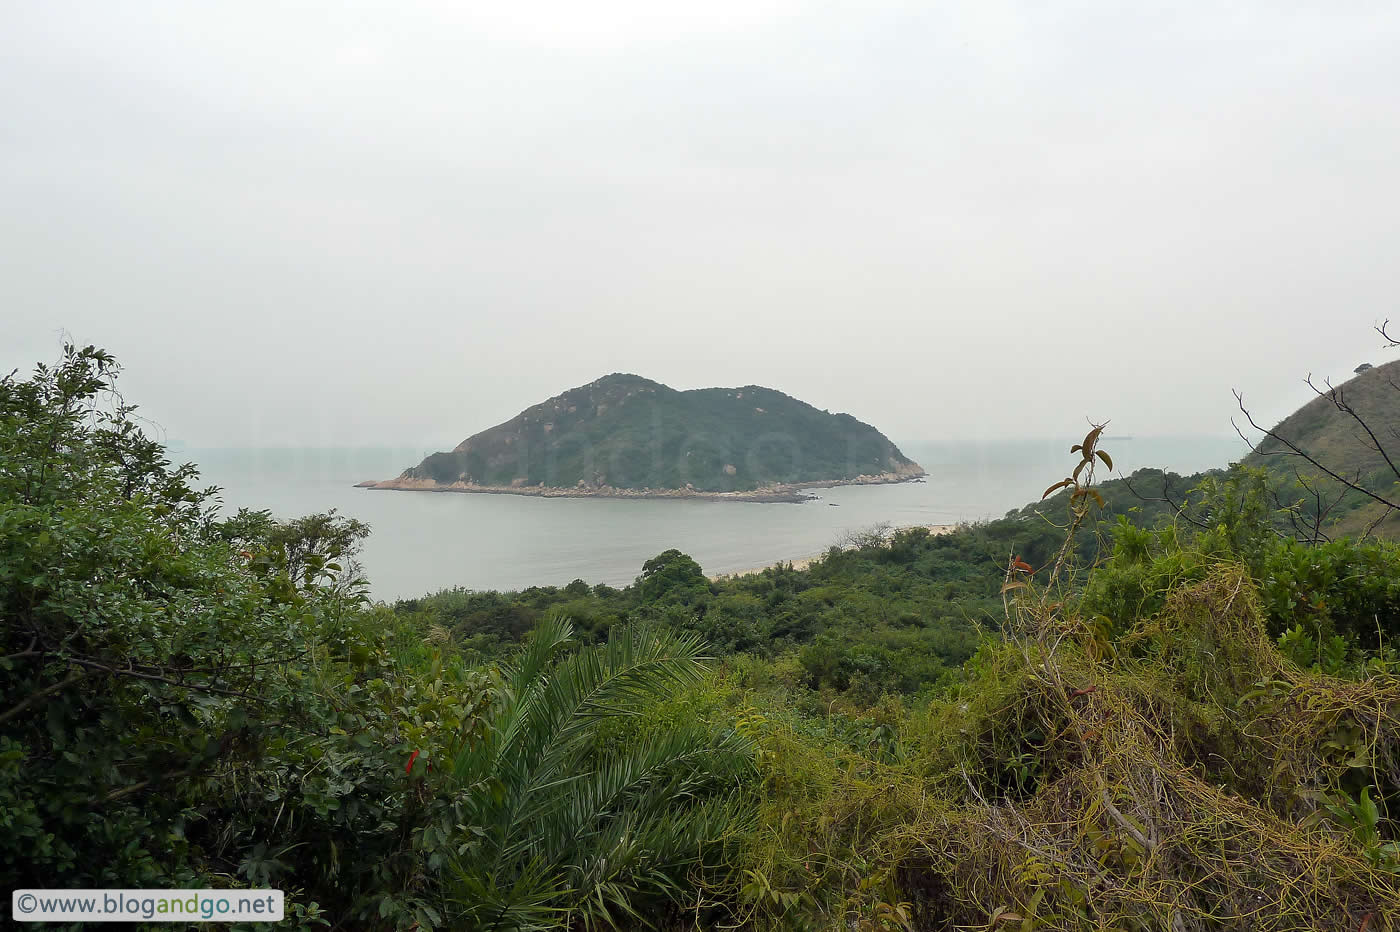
(778,492)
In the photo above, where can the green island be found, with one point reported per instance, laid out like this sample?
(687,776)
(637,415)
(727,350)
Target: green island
(624,436)
(1156,702)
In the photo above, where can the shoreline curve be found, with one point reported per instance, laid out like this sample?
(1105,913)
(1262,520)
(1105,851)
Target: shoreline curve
(794,492)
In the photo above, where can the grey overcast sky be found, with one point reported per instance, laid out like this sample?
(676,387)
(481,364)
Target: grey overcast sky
(343,223)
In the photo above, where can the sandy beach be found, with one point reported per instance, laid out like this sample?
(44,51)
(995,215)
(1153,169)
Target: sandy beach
(801,563)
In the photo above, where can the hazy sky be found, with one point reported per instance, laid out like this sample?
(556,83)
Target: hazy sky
(399,223)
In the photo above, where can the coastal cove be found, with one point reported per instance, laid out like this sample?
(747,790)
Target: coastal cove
(422,543)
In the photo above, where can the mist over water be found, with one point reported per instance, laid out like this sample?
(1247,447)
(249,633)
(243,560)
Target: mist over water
(424,541)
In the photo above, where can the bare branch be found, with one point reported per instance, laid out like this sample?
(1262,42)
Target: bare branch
(1376,523)
(137,674)
(44,693)
(1335,396)
(1292,449)
(1178,508)
(1388,338)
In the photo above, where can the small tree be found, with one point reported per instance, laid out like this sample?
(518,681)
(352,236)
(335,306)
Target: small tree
(671,574)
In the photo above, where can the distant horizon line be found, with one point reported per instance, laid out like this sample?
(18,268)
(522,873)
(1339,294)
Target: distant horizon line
(175,445)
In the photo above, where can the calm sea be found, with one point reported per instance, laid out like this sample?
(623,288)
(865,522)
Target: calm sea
(423,542)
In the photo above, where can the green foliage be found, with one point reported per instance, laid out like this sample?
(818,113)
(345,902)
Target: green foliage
(892,614)
(305,549)
(565,833)
(1344,587)
(672,577)
(189,702)
(1362,818)
(1305,651)
(1060,787)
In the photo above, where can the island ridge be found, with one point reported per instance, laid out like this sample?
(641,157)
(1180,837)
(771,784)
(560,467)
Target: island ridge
(630,437)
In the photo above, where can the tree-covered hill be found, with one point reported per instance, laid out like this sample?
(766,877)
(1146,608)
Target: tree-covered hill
(1353,431)
(627,432)
(1330,469)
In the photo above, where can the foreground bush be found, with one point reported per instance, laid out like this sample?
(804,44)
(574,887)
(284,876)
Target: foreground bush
(1186,776)
(564,832)
(186,701)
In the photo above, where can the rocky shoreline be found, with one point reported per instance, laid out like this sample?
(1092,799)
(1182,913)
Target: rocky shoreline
(785,492)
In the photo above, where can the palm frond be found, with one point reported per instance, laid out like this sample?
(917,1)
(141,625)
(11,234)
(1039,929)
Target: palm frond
(559,826)
(639,665)
(541,646)
(527,901)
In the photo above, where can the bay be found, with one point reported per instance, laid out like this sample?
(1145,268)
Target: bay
(424,541)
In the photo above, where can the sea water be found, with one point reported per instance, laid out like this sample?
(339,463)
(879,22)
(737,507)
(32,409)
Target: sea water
(426,541)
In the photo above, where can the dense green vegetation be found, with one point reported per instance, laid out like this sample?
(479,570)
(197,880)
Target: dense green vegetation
(1192,723)
(896,612)
(627,432)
